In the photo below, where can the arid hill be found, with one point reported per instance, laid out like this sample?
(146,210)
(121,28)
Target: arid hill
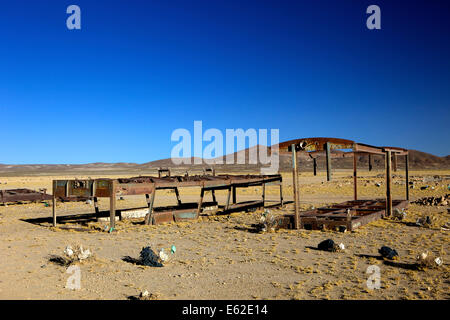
(417,161)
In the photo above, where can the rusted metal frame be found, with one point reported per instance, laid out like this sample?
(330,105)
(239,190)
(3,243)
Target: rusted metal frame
(133,188)
(328,160)
(355,176)
(336,215)
(388,184)
(407,175)
(295,185)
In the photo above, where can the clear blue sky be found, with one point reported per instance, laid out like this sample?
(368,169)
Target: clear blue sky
(116,89)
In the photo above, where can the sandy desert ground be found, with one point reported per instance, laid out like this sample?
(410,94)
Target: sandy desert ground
(218,257)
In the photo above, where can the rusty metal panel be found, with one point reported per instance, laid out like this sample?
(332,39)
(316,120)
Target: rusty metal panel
(61,188)
(102,187)
(162,217)
(80,188)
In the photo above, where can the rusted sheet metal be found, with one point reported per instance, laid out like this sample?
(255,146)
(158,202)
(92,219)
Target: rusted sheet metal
(135,189)
(17,195)
(316,144)
(148,184)
(174,216)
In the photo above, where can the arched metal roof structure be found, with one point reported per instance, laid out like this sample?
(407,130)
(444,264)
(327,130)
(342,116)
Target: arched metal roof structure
(314,146)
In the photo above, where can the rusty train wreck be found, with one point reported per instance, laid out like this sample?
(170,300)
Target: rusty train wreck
(348,215)
(111,188)
(351,214)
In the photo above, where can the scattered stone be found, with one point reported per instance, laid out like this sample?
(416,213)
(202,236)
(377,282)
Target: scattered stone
(267,221)
(88,201)
(71,255)
(398,214)
(388,253)
(77,253)
(424,222)
(424,187)
(145,295)
(426,260)
(434,201)
(134,213)
(331,246)
(378,184)
(148,257)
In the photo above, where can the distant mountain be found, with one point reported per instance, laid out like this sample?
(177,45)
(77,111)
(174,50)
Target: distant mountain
(417,160)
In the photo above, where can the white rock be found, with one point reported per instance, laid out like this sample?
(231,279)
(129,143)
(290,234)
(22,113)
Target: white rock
(163,256)
(68,251)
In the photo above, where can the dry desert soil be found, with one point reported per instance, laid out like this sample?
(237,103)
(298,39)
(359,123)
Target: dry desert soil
(219,257)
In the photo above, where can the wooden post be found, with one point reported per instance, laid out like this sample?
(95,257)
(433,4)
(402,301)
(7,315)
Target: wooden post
(295,183)
(213,193)
(328,156)
(263,193)
(200,202)
(394,158)
(388,184)
(177,193)
(54,203)
(112,204)
(315,166)
(96,206)
(150,202)
(281,193)
(227,206)
(355,176)
(407,175)
(370,162)
(234,194)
